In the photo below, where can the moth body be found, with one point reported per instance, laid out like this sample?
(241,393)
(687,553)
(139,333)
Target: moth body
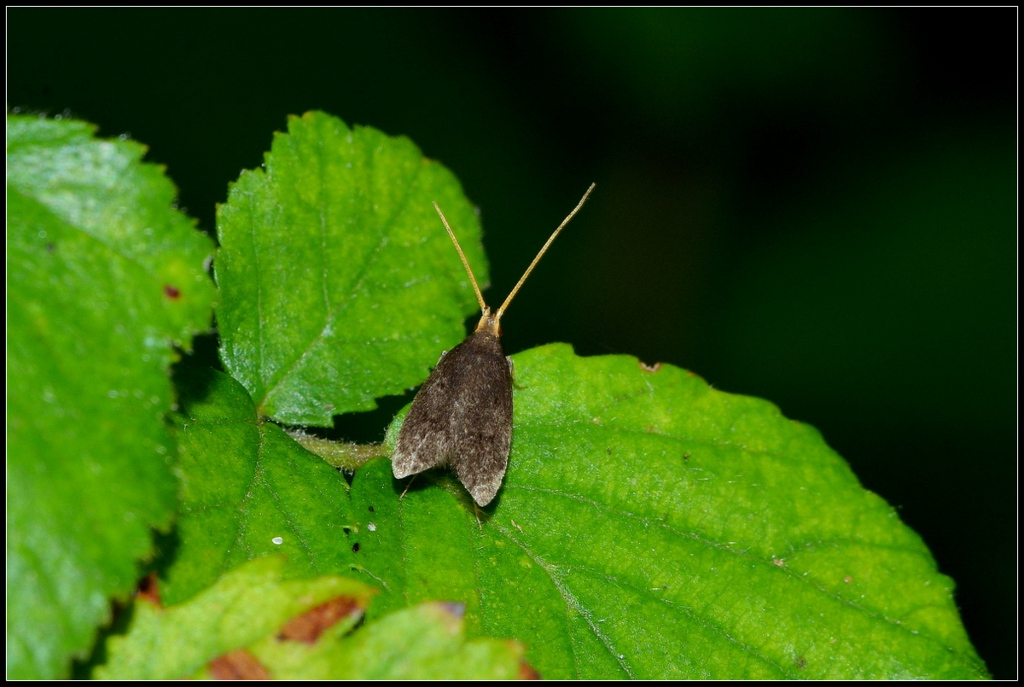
(462,418)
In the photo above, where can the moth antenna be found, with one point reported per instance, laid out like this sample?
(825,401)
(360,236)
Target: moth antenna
(479,296)
(501,310)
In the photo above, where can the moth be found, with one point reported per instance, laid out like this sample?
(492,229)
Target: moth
(462,415)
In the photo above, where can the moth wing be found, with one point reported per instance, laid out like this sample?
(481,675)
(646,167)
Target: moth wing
(425,439)
(482,427)
(462,417)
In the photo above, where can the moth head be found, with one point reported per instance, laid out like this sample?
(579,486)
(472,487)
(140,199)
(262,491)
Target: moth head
(489,322)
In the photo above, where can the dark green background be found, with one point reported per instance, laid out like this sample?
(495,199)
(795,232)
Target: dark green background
(813,206)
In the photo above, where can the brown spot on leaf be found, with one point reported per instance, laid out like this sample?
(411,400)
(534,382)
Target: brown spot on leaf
(801,662)
(779,562)
(847,579)
(527,672)
(310,625)
(171,292)
(238,665)
(149,590)
(649,368)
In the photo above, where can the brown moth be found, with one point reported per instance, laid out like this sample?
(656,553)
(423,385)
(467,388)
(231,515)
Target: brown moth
(462,416)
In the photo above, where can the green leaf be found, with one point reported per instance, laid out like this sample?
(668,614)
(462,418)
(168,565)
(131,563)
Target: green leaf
(242,608)
(103,277)
(252,608)
(339,282)
(425,642)
(248,490)
(651,527)
(648,527)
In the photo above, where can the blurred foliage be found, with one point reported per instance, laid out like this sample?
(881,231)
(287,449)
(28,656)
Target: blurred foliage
(105,280)
(257,623)
(807,205)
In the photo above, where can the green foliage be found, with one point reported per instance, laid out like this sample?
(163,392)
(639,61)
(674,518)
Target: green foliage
(249,609)
(242,608)
(424,642)
(337,286)
(648,527)
(103,277)
(734,531)
(244,485)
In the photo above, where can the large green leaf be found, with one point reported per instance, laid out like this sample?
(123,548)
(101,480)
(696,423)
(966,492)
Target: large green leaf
(339,282)
(659,528)
(103,277)
(648,527)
